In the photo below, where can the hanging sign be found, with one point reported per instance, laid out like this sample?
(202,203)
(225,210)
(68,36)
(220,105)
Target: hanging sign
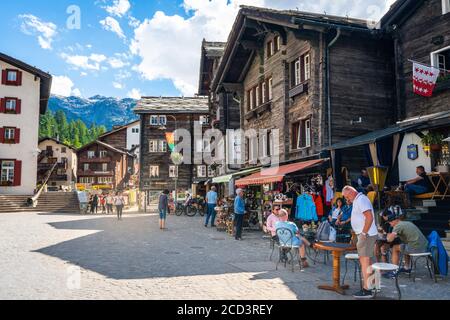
(413,151)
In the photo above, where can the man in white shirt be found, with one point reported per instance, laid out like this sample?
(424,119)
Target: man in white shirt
(363,224)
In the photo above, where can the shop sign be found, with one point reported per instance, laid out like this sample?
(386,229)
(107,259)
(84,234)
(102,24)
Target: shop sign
(413,151)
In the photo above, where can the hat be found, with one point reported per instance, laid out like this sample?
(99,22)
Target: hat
(392,217)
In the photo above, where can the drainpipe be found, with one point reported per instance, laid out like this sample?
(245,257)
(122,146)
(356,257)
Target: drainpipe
(338,34)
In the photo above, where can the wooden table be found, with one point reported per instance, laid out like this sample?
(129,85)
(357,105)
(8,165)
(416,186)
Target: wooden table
(337,249)
(444,179)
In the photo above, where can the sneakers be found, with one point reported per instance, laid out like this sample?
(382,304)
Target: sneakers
(363,294)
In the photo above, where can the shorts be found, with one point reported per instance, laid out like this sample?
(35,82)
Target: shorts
(162,214)
(409,250)
(366,246)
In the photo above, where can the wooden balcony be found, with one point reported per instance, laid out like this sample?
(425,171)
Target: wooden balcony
(92,173)
(95,160)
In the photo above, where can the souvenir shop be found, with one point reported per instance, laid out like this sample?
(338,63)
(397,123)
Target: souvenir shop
(303,189)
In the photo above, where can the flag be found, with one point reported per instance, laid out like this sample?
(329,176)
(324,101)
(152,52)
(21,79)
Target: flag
(424,79)
(170,140)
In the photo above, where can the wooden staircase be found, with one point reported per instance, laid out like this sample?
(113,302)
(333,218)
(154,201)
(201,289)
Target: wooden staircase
(50,202)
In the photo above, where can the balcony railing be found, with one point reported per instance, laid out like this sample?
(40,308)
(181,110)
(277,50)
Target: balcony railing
(94,173)
(95,160)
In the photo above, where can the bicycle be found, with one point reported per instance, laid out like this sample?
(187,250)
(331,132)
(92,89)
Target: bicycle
(191,209)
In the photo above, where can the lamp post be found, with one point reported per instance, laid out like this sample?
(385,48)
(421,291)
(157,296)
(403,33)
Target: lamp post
(378,175)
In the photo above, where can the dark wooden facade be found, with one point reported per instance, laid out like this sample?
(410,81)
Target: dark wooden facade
(418,28)
(360,81)
(116,138)
(115,159)
(181,113)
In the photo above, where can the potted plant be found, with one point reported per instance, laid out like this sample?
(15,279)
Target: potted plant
(432,141)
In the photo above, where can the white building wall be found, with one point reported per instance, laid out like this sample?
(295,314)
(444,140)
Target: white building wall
(28,123)
(134,138)
(57,153)
(407,167)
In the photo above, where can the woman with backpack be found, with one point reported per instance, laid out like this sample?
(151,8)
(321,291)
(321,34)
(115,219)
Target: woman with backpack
(119,202)
(163,207)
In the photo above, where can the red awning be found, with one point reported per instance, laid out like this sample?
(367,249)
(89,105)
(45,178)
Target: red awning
(276,174)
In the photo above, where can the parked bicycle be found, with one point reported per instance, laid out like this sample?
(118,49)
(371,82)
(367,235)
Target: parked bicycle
(193,208)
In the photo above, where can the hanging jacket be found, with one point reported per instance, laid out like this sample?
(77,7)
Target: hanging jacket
(434,241)
(329,195)
(306,209)
(319,205)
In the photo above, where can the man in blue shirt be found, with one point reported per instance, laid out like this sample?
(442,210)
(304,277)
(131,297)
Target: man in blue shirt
(211,200)
(239,211)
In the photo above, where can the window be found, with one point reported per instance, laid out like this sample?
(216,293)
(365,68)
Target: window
(91,154)
(7,175)
(154,171)
(153,146)
(252,149)
(86,166)
(105,180)
(173,171)
(87,180)
(204,120)
(441,59)
(162,120)
(12,76)
(154,120)
(103,154)
(63,150)
(258,97)
(297,73)
(265,144)
(104,167)
(250,99)
(445,6)
(10,134)
(263,92)
(201,171)
(269,49)
(11,105)
(134,130)
(301,134)
(270,84)
(162,146)
(276,43)
(307,66)
(211,172)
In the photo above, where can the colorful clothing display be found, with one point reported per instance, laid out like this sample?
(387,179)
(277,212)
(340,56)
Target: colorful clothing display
(306,208)
(319,205)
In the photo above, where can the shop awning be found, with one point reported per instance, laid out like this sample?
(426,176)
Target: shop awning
(227,178)
(276,174)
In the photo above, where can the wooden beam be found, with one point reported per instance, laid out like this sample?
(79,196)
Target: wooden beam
(249,45)
(233,87)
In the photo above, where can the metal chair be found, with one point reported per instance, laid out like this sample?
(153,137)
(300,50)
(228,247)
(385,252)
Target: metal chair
(389,267)
(354,257)
(416,257)
(286,246)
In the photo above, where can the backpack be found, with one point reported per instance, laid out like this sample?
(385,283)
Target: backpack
(323,232)
(333,234)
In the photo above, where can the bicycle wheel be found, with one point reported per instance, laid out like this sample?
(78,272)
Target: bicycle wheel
(191,211)
(202,211)
(179,211)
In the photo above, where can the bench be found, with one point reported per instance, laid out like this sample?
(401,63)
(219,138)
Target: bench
(425,196)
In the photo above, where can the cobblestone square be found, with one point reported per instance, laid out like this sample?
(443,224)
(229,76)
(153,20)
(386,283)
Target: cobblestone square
(97,257)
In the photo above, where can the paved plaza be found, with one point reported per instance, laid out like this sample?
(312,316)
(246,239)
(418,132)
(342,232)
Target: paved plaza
(97,257)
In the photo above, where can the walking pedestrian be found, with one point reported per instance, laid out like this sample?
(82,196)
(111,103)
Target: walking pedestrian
(103,203)
(119,202)
(163,206)
(94,206)
(363,224)
(239,211)
(109,203)
(211,201)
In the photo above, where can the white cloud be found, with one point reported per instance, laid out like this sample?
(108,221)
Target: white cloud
(111,24)
(134,94)
(116,63)
(119,8)
(64,86)
(169,46)
(118,85)
(92,62)
(133,22)
(46,31)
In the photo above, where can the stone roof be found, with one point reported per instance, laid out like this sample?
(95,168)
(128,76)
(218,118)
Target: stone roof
(214,49)
(169,105)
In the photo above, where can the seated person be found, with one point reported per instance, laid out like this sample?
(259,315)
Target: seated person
(336,211)
(413,240)
(382,246)
(363,182)
(419,185)
(344,219)
(188,198)
(297,240)
(273,219)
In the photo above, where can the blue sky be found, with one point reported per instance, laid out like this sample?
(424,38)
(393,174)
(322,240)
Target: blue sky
(128,48)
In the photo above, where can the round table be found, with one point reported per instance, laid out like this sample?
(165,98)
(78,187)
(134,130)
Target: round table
(337,250)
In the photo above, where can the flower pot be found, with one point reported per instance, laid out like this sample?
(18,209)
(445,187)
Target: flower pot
(436,147)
